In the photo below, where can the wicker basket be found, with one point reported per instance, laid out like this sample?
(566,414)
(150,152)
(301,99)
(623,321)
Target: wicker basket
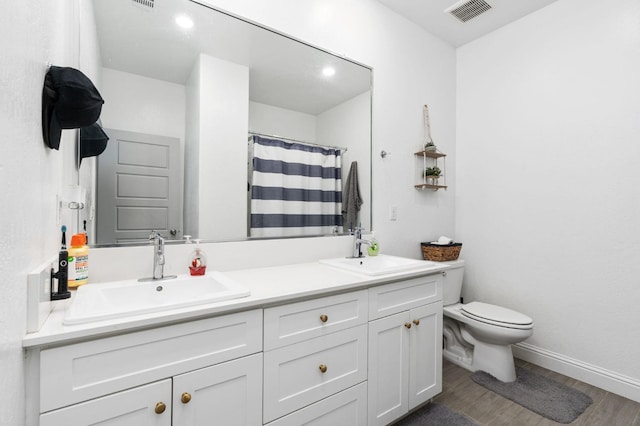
(440,253)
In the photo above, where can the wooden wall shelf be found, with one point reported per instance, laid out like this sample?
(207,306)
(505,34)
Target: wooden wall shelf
(429,186)
(428,158)
(430,154)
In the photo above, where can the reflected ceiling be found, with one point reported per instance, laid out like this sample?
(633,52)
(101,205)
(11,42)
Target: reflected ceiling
(166,52)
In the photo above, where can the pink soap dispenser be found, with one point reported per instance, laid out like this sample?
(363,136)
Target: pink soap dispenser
(197,261)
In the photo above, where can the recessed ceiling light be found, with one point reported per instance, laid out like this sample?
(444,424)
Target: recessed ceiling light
(328,71)
(184,21)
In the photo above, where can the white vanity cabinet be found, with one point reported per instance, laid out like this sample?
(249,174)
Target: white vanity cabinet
(192,372)
(405,347)
(362,356)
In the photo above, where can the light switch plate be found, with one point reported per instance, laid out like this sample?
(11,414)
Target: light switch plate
(39,304)
(393,212)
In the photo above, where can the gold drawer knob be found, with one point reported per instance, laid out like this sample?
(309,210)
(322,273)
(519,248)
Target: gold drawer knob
(324,318)
(416,321)
(323,368)
(185,398)
(160,407)
(407,324)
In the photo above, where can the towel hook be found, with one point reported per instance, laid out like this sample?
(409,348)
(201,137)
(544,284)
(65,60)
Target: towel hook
(383,153)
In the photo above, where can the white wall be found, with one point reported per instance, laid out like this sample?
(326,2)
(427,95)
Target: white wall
(192,152)
(224,114)
(141,104)
(547,201)
(271,120)
(31,174)
(410,68)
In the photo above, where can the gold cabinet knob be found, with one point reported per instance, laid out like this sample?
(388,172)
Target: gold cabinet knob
(324,318)
(185,398)
(160,407)
(416,321)
(323,368)
(407,324)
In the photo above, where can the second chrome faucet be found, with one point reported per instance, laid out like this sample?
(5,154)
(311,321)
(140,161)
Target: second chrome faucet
(357,243)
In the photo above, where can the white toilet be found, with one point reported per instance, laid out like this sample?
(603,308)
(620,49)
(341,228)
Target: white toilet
(478,336)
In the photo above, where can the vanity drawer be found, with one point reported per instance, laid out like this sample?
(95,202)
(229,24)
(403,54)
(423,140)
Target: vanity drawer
(293,323)
(348,407)
(82,371)
(294,376)
(400,296)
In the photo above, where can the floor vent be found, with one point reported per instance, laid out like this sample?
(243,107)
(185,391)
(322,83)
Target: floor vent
(468,9)
(144,3)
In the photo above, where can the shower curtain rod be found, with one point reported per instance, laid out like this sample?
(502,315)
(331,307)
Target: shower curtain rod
(341,148)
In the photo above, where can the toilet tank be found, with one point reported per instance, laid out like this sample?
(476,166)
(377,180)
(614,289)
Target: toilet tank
(452,285)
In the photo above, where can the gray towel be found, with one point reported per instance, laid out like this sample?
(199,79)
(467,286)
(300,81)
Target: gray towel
(351,199)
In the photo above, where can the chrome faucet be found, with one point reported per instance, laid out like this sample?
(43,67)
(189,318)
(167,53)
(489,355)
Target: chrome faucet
(158,258)
(357,243)
(158,254)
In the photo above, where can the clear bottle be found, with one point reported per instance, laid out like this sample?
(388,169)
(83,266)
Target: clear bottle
(197,261)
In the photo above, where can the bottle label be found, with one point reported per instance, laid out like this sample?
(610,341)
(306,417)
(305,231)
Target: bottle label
(79,268)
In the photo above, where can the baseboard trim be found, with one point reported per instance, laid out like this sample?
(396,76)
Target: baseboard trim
(605,379)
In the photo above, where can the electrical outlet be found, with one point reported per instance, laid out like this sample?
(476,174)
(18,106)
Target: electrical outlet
(393,212)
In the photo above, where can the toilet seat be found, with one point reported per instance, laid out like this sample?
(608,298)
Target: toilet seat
(496,315)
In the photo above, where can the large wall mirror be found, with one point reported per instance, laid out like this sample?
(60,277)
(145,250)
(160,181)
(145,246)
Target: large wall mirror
(189,90)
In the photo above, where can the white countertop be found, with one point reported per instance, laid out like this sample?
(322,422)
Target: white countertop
(268,286)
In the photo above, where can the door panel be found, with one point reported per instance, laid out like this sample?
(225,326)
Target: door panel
(139,188)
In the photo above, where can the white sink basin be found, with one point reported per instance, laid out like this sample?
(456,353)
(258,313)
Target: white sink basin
(380,265)
(118,299)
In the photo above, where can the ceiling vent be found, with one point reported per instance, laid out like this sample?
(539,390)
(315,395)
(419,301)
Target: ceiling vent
(466,10)
(144,3)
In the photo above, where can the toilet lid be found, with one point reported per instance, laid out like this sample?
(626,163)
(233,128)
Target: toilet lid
(496,315)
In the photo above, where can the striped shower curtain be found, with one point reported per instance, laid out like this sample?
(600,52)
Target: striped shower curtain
(296,189)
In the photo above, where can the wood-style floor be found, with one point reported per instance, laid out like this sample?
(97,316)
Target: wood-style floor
(485,407)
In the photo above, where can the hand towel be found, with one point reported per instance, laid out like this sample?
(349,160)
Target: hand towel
(351,199)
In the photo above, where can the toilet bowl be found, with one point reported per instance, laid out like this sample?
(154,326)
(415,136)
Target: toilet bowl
(478,336)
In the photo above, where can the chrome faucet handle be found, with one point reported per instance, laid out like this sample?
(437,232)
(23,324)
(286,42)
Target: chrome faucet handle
(156,236)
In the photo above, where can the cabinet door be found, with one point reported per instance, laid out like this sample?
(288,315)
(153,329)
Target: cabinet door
(226,394)
(134,407)
(388,368)
(425,360)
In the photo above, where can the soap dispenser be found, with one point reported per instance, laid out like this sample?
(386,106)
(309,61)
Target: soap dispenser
(197,261)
